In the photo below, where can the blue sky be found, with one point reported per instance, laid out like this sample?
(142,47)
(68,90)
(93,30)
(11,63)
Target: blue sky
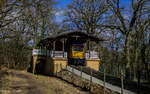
(63,4)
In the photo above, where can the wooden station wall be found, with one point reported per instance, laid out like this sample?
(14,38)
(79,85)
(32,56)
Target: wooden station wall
(54,65)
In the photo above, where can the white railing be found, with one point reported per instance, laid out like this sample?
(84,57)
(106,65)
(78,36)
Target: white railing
(41,52)
(56,54)
(91,55)
(61,54)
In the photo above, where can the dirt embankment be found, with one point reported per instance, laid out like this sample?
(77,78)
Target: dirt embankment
(21,82)
(85,84)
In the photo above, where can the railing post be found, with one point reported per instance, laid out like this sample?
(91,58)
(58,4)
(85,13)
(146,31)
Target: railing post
(81,75)
(122,85)
(104,79)
(91,81)
(72,75)
(61,70)
(139,82)
(56,69)
(34,64)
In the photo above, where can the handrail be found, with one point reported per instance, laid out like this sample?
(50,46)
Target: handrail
(62,54)
(91,55)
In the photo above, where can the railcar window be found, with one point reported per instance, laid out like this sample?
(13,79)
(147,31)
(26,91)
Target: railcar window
(78,49)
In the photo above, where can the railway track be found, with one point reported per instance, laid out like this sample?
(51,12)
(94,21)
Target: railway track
(97,77)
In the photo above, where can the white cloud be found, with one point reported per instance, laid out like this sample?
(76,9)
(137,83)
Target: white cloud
(59,13)
(126,16)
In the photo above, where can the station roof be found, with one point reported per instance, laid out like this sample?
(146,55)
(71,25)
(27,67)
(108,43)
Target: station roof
(66,35)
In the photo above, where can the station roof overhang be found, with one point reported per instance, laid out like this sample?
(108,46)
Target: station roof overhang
(66,35)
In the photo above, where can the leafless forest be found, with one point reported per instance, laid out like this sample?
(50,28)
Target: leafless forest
(125,29)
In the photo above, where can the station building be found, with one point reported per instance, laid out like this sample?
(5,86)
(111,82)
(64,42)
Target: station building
(53,53)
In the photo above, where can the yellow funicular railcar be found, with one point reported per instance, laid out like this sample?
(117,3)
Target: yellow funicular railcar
(76,54)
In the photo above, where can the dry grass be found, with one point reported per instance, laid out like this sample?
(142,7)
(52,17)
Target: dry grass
(22,82)
(84,84)
(5,81)
(16,82)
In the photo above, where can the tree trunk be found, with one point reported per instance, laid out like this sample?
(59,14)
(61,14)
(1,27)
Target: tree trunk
(43,29)
(35,36)
(127,55)
(135,60)
(135,64)
(127,51)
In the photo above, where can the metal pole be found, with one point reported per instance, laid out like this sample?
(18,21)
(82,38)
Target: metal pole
(81,75)
(139,77)
(56,68)
(61,71)
(122,85)
(104,79)
(91,81)
(72,75)
(34,64)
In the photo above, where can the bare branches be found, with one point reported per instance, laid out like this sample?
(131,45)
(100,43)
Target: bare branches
(117,12)
(135,13)
(21,22)
(86,15)
(137,23)
(10,12)
(112,27)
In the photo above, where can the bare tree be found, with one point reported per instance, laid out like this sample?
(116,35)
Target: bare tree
(126,25)
(23,21)
(86,15)
(39,18)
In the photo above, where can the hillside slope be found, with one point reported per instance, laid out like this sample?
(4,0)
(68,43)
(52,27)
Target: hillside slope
(26,83)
